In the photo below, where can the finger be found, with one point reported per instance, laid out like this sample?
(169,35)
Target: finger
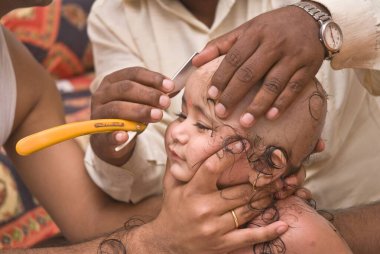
(104,144)
(304,193)
(131,91)
(216,47)
(272,86)
(209,171)
(244,213)
(247,76)
(320,146)
(170,182)
(130,111)
(250,236)
(291,184)
(296,179)
(294,87)
(232,63)
(119,137)
(240,195)
(139,75)
(112,139)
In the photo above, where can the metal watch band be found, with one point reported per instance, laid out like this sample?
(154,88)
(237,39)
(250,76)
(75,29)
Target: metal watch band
(322,18)
(314,11)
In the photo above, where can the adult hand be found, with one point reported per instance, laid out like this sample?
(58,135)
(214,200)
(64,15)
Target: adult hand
(196,216)
(135,94)
(280,48)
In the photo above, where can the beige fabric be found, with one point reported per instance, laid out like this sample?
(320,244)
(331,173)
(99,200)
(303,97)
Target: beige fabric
(161,34)
(8,91)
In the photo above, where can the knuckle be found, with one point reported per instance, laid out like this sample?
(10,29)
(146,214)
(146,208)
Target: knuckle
(112,109)
(203,211)
(211,43)
(234,58)
(295,86)
(134,72)
(96,99)
(106,81)
(245,74)
(207,230)
(273,86)
(124,87)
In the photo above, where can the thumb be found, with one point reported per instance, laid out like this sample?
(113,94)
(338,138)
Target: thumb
(207,175)
(217,47)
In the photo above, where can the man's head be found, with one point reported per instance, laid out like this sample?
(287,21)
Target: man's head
(271,147)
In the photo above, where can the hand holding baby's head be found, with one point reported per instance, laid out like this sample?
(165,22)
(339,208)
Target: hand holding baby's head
(270,148)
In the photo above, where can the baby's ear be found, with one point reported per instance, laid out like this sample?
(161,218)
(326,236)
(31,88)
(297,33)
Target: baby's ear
(278,159)
(277,166)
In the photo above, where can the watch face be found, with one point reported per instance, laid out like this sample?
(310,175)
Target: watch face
(332,36)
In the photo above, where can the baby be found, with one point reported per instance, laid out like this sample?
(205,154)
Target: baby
(268,151)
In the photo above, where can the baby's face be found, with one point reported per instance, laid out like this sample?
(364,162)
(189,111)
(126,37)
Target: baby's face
(269,146)
(195,136)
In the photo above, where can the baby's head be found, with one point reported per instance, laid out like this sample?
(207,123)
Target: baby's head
(271,147)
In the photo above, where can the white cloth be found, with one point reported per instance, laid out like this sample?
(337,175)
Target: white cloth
(161,34)
(8,90)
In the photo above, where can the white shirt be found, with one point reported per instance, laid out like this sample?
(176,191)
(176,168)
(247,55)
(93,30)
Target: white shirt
(161,34)
(8,90)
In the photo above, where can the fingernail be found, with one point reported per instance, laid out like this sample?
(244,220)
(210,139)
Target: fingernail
(168,84)
(213,92)
(220,109)
(282,229)
(120,136)
(164,100)
(272,113)
(247,120)
(156,114)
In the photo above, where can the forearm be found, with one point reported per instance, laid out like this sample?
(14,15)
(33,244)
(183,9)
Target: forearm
(360,227)
(99,245)
(135,240)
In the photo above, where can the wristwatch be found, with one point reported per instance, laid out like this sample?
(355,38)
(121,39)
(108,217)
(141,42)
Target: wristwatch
(330,33)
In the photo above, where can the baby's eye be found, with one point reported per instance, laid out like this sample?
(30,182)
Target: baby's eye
(202,127)
(181,116)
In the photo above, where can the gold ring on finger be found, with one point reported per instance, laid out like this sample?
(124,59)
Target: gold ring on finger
(235,218)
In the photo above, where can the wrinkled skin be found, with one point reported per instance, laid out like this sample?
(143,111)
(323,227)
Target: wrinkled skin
(284,56)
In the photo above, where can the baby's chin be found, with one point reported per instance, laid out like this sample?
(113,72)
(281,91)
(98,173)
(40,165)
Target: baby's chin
(180,173)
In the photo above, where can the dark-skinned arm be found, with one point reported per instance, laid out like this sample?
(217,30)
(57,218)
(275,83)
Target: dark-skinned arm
(360,227)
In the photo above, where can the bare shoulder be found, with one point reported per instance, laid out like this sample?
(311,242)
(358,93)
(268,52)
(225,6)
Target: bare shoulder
(37,95)
(309,232)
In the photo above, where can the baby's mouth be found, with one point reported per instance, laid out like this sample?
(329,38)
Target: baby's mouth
(174,155)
